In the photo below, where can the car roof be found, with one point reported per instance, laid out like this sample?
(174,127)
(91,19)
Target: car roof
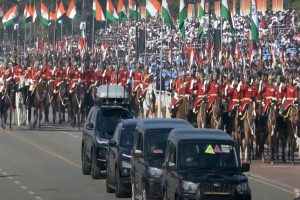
(128,122)
(161,123)
(187,134)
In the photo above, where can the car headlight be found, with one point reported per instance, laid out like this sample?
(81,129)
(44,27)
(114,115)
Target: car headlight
(189,187)
(154,172)
(242,188)
(126,164)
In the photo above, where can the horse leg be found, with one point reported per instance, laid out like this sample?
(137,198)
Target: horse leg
(293,142)
(78,118)
(34,117)
(47,114)
(40,113)
(10,114)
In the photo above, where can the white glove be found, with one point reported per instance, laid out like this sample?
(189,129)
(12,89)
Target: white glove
(232,84)
(239,86)
(128,81)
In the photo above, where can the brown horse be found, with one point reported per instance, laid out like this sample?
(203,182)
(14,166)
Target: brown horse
(201,115)
(248,130)
(291,133)
(215,114)
(184,108)
(40,101)
(269,135)
(138,104)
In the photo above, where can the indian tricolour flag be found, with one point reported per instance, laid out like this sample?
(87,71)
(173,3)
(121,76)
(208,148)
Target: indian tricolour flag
(122,11)
(1,10)
(71,12)
(10,16)
(97,11)
(34,14)
(166,14)
(27,13)
(45,14)
(60,11)
(152,8)
(111,13)
(225,13)
(132,10)
(182,17)
(254,21)
(201,17)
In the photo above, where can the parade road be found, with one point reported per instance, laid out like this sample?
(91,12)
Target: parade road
(45,164)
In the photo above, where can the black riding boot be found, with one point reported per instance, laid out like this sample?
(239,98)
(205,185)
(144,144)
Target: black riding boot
(173,113)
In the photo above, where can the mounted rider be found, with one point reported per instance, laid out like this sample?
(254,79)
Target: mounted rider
(200,93)
(234,95)
(18,71)
(146,80)
(248,92)
(290,95)
(136,75)
(124,76)
(73,76)
(214,89)
(180,89)
(270,93)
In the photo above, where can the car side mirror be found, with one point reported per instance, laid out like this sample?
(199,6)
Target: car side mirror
(171,166)
(112,143)
(138,153)
(245,167)
(90,127)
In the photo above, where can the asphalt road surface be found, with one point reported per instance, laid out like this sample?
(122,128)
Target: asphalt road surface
(45,164)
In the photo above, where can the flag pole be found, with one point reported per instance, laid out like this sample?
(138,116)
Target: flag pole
(145,41)
(61,29)
(93,32)
(25,40)
(72,37)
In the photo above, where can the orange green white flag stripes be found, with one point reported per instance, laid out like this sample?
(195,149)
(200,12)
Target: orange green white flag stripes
(71,12)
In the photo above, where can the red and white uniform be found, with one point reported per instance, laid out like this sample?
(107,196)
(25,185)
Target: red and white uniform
(137,78)
(146,81)
(99,77)
(279,94)
(235,96)
(47,73)
(7,74)
(114,78)
(247,93)
(18,71)
(36,78)
(124,77)
(193,85)
(106,76)
(74,76)
(181,89)
(58,76)
(270,94)
(290,94)
(90,77)
(213,90)
(201,93)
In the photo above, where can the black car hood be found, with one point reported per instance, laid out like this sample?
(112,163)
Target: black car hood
(232,177)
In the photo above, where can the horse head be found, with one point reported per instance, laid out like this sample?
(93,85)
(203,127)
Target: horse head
(294,118)
(63,92)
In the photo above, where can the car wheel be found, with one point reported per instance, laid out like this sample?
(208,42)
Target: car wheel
(108,188)
(119,186)
(85,165)
(95,172)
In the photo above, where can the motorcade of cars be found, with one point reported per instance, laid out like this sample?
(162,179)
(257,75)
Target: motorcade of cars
(148,155)
(111,107)
(203,164)
(118,159)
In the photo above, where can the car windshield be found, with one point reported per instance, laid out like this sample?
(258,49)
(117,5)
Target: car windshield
(127,134)
(207,156)
(108,119)
(156,141)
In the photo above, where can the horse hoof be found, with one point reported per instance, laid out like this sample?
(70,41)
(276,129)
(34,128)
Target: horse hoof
(272,163)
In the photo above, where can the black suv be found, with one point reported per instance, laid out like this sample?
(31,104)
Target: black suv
(148,155)
(203,164)
(118,158)
(98,129)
